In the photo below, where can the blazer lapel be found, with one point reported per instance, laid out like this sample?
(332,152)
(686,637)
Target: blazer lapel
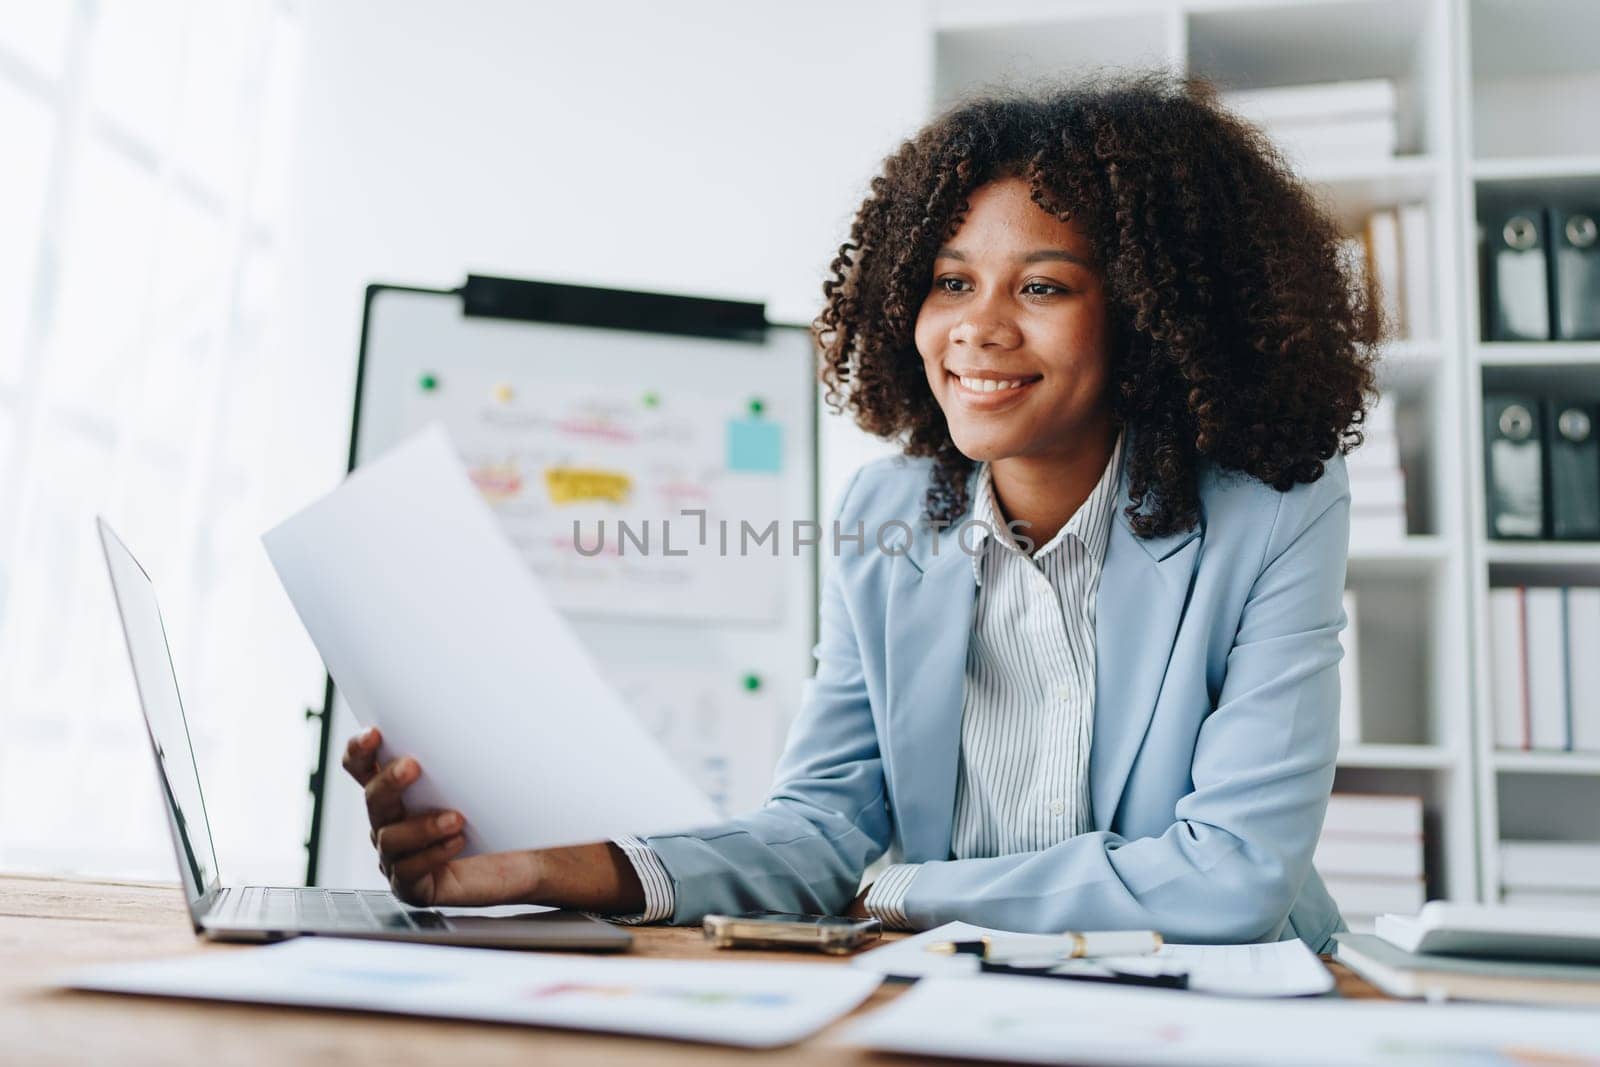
(929,613)
(1144,588)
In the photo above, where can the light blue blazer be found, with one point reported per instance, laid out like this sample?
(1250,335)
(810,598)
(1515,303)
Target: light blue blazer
(1216,726)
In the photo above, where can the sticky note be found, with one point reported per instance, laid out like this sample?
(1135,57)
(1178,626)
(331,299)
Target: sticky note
(755,445)
(572,485)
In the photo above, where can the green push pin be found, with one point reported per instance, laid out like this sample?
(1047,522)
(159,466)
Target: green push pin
(756,406)
(428,382)
(650,400)
(752,682)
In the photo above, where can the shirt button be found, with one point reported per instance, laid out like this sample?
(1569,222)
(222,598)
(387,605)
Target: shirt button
(1064,692)
(1058,808)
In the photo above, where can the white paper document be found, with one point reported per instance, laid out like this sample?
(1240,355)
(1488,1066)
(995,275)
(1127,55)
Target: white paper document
(758,1005)
(1042,1020)
(437,633)
(1276,969)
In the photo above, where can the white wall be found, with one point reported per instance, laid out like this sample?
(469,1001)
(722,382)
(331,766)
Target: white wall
(713,148)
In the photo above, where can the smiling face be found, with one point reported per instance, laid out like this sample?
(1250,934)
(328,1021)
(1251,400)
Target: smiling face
(1013,331)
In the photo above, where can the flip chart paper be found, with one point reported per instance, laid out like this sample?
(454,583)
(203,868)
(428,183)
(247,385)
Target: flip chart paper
(753,1004)
(436,631)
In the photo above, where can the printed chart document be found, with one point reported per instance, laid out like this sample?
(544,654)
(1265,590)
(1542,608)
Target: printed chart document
(436,632)
(757,1005)
(1276,969)
(1043,1020)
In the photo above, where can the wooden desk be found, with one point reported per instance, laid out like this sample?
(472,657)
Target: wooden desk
(50,925)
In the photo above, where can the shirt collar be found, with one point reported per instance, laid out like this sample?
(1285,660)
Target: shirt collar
(1090,524)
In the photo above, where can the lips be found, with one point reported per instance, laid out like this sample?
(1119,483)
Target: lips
(988,389)
(985,384)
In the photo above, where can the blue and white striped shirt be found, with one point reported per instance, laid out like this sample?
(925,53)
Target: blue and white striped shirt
(1028,712)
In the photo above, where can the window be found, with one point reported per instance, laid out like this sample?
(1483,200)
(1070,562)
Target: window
(147,151)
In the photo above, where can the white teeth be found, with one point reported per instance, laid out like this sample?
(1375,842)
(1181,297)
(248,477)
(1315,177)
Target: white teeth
(989,385)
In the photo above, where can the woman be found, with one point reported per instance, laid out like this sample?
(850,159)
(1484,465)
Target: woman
(1096,685)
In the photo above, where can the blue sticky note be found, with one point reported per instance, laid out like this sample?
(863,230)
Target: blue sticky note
(755,445)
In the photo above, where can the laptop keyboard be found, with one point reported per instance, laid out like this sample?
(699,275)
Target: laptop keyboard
(334,910)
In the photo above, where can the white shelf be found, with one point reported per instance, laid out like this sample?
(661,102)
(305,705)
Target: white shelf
(1538,353)
(1355,189)
(1537,553)
(1408,366)
(1413,757)
(1418,554)
(1580,763)
(1536,168)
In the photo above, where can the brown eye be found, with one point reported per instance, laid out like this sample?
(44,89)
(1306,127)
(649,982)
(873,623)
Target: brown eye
(945,285)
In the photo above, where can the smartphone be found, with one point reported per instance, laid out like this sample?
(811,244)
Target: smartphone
(837,934)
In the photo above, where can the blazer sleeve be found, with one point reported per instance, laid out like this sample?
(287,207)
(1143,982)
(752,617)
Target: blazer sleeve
(1230,866)
(826,818)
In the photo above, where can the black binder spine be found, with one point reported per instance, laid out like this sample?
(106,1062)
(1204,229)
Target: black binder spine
(1517,291)
(1575,274)
(1572,451)
(1513,466)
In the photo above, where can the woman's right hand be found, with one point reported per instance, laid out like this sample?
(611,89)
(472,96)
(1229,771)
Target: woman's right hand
(418,853)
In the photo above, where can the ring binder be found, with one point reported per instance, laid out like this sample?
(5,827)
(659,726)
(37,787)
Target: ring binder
(1516,297)
(1573,454)
(1575,274)
(1513,474)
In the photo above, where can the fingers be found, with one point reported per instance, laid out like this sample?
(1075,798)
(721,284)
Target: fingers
(361,755)
(400,840)
(413,878)
(385,788)
(493,878)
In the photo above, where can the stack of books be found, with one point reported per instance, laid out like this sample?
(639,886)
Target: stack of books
(1544,671)
(1370,856)
(1562,875)
(1476,952)
(1391,263)
(1377,482)
(1331,122)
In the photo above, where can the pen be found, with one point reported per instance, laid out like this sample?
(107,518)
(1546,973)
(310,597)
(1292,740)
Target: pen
(1165,979)
(1067,946)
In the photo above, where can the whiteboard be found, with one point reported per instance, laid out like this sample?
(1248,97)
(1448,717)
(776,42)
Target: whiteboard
(572,433)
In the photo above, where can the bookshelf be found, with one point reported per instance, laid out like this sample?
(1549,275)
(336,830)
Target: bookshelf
(1493,99)
(1525,73)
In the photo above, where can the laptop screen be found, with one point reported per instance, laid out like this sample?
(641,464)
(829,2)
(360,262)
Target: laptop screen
(163,713)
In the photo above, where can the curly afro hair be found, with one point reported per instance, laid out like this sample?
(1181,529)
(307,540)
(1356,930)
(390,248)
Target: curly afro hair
(1237,335)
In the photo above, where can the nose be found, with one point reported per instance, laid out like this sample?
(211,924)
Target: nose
(982,328)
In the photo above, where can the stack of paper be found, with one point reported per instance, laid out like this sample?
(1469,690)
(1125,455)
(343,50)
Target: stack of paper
(1438,977)
(1481,952)
(1037,1020)
(1277,969)
(1370,856)
(1495,931)
(754,1004)
(1331,122)
(1545,674)
(1377,482)
(1561,875)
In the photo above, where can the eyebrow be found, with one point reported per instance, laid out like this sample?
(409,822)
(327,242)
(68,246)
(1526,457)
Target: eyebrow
(1037,256)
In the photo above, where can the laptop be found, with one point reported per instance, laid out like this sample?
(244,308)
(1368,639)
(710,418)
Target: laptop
(266,913)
